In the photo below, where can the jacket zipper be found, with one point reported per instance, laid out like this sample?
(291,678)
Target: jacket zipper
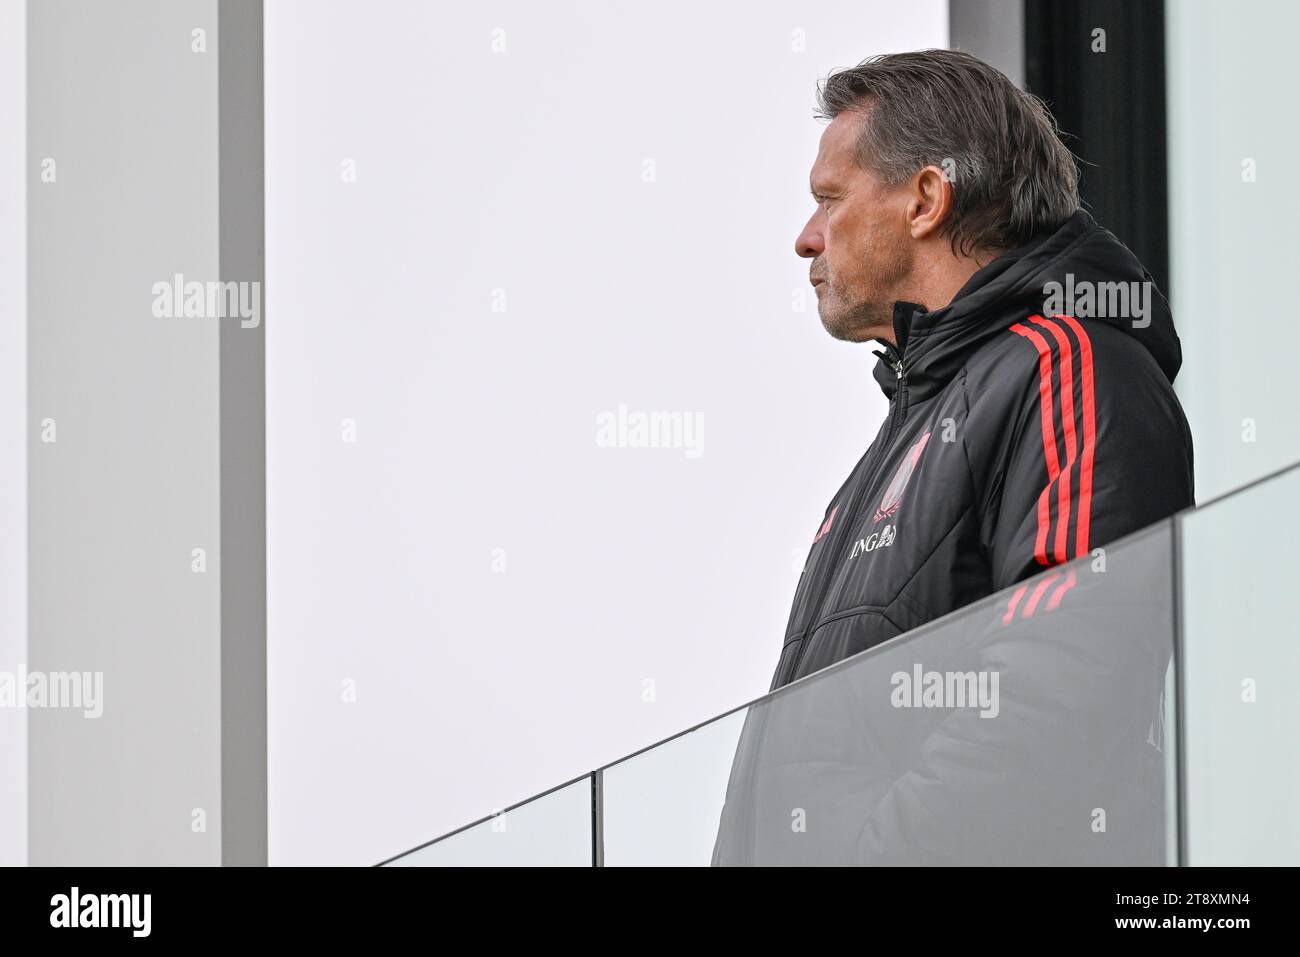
(899,402)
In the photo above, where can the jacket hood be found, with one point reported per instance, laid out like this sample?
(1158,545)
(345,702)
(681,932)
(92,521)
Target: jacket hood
(1081,270)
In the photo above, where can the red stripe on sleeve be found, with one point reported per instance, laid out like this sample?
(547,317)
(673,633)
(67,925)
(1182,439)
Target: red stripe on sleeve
(1049,436)
(1071,443)
(1089,433)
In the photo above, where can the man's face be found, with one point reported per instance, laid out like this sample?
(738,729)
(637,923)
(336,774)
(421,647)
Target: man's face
(857,240)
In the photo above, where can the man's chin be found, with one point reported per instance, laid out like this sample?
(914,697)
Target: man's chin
(846,331)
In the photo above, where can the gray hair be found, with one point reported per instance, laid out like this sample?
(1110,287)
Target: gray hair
(1012,176)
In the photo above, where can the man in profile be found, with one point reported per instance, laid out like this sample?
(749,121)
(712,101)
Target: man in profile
(1029,363)
(1027,357)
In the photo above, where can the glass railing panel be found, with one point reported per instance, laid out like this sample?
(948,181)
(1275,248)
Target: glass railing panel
(1240,653)
(1028,728)
(685,781)
(551,830)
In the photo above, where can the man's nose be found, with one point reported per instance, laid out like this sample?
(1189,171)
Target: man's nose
(810,244)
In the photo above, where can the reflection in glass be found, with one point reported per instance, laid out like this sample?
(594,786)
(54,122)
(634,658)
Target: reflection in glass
(1026,729)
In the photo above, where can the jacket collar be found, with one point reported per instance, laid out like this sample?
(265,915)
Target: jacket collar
(935,343)
(932,344)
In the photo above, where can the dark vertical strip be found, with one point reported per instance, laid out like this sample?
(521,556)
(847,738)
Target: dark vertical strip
(1111,106)
(992,30)
(597,819)
(243,441)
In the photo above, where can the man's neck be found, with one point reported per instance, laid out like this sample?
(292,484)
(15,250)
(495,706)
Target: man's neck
(943,277)
(939,280)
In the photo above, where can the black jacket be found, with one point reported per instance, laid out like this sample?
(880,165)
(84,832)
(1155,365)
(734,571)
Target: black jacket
(1015,440)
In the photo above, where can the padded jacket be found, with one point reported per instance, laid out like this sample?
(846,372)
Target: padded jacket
(1032,423)
(1020,435)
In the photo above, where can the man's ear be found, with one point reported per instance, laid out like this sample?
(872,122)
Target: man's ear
(930,202)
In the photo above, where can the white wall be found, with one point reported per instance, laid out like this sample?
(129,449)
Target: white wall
(496,586)
(1234,246)
(13,426)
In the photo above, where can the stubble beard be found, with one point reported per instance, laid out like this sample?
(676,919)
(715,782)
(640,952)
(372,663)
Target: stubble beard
(853,321)
(856,315)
